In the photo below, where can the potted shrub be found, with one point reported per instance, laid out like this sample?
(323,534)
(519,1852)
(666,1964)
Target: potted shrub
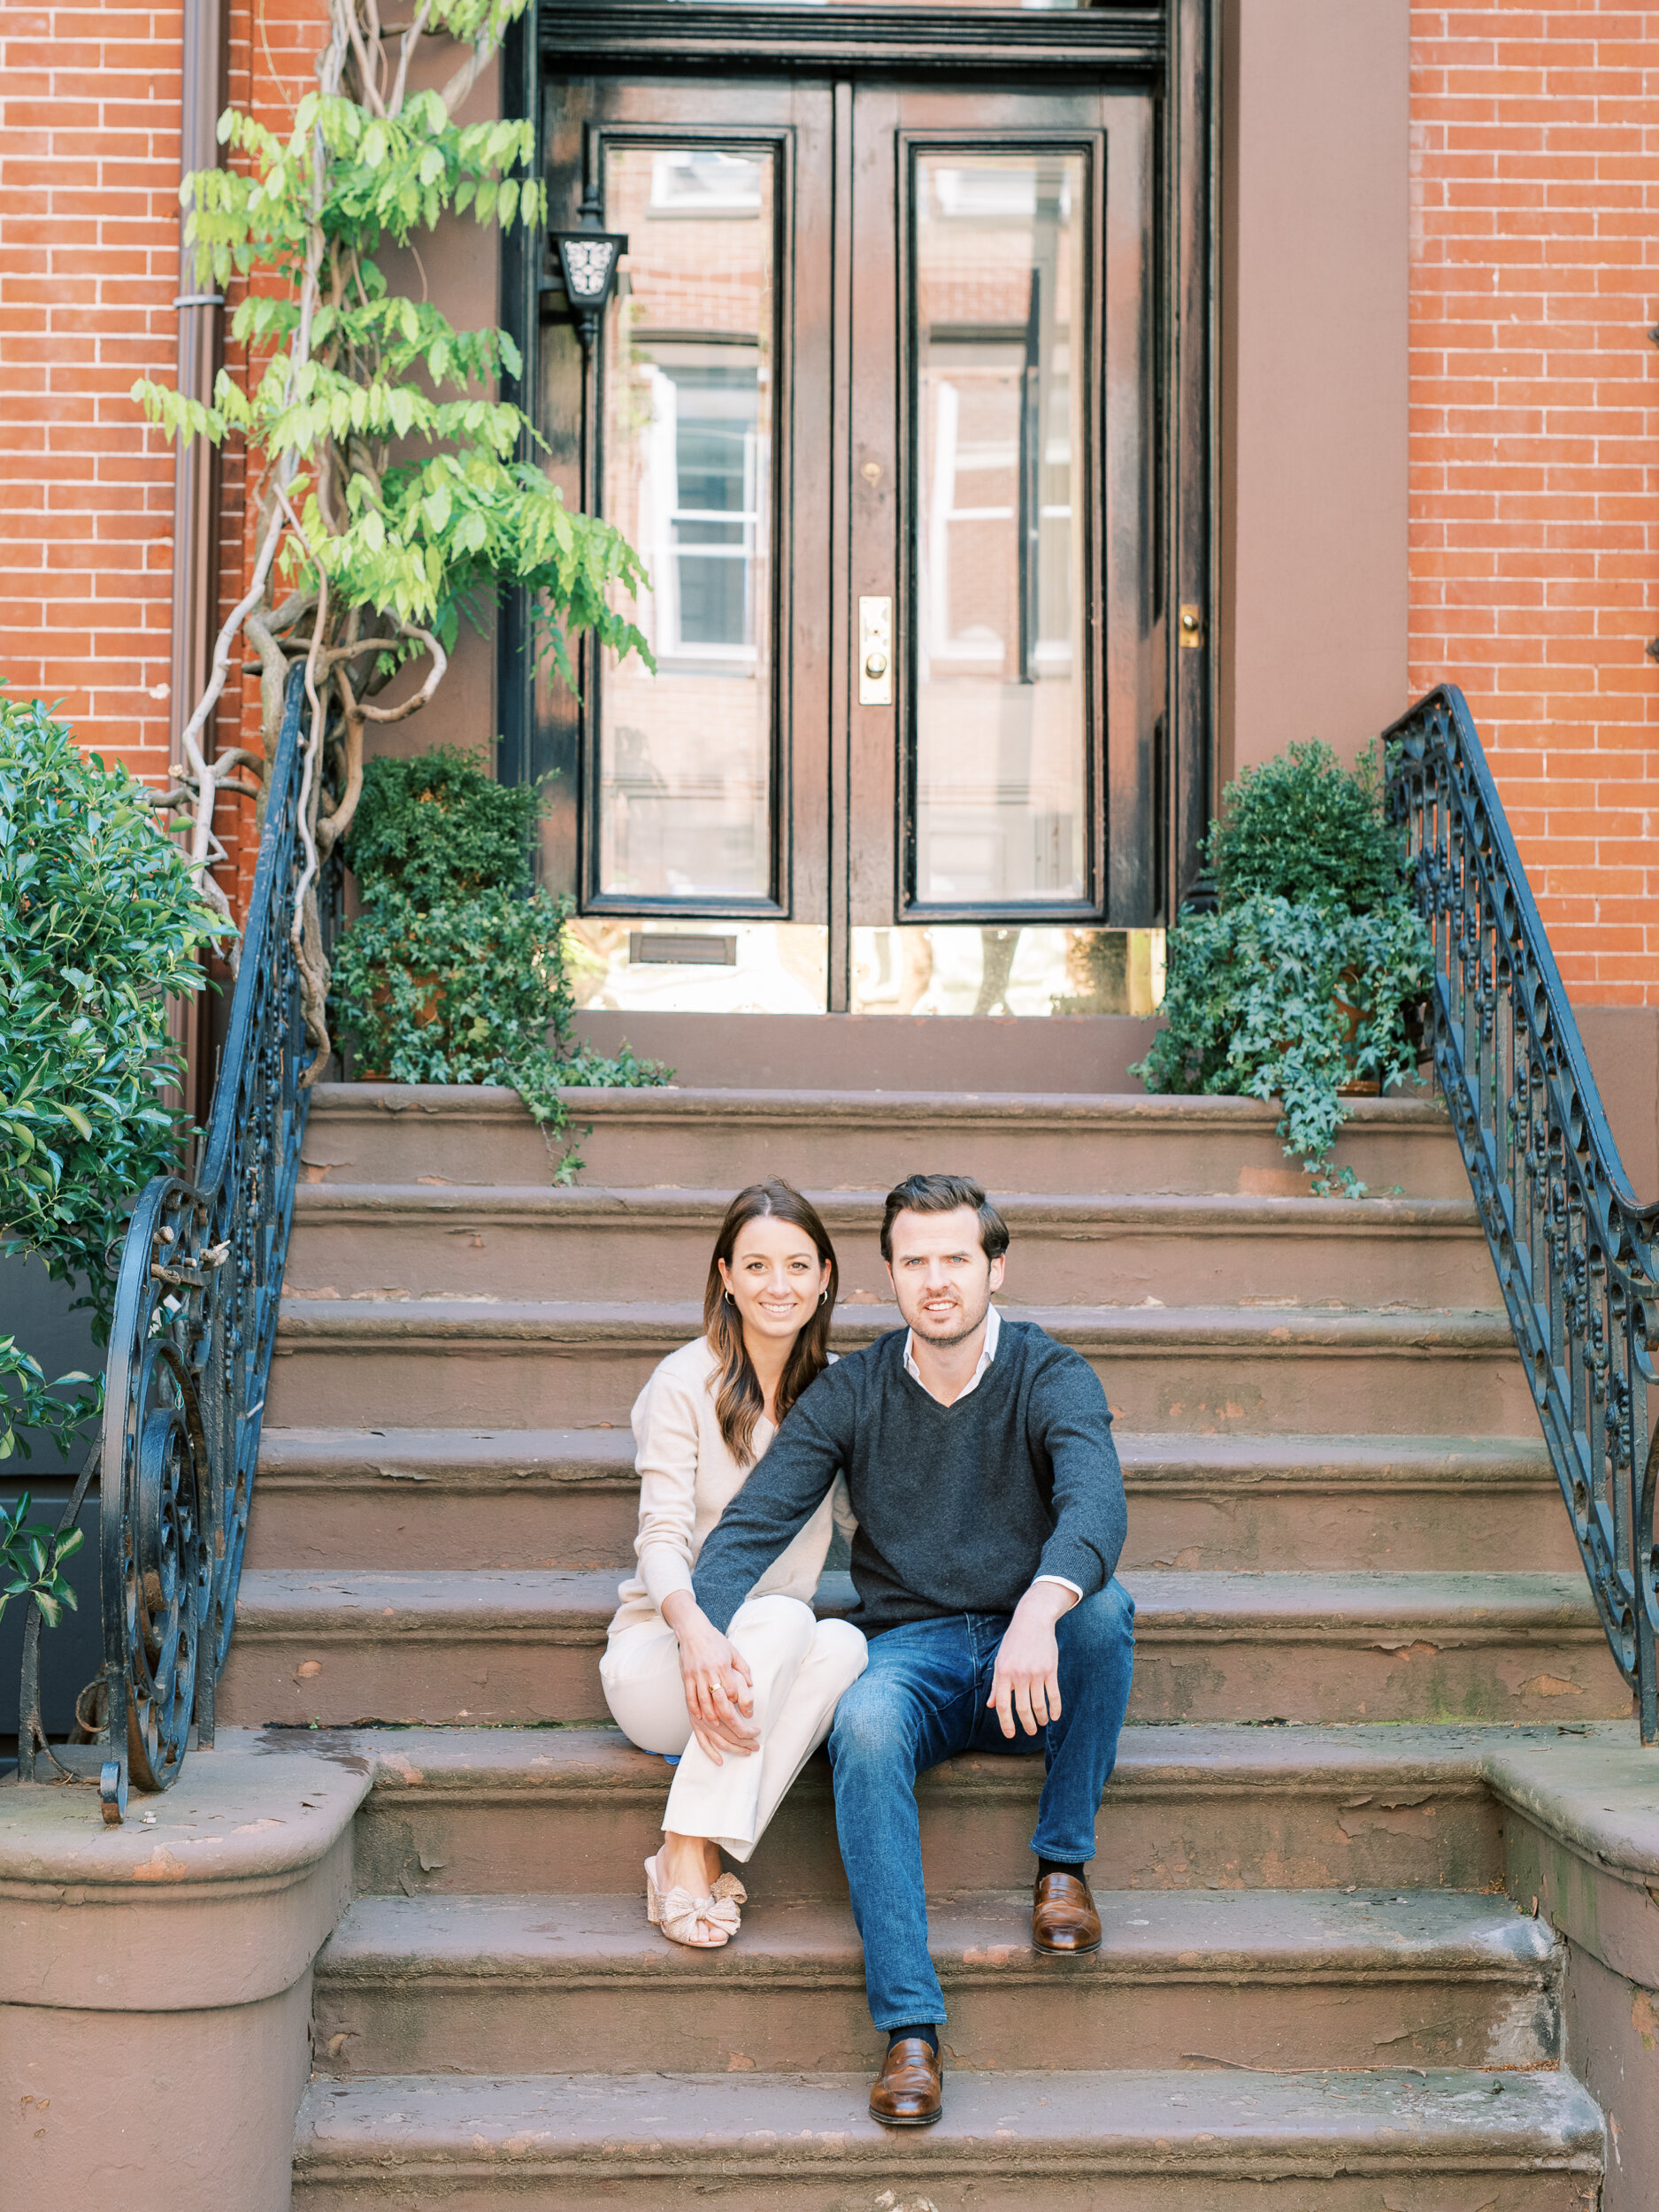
(1303,983)
(101,921)
(455,970)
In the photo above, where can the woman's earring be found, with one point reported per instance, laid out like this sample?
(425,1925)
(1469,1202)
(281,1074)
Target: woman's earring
(823,1295)
(730,1300)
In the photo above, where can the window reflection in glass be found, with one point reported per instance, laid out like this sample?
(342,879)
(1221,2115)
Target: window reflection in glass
(1001,783)
(685,757)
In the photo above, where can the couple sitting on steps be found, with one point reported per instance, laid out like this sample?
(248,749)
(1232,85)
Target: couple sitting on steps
(970,1459)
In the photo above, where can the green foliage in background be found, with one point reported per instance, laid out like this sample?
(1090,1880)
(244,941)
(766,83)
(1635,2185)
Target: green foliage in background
(437,830)
(1305,978)
(99,919)
(31,1562)
(1306,829)
(455,970)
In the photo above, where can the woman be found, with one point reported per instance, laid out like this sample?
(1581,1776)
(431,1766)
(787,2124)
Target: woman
(744,1714)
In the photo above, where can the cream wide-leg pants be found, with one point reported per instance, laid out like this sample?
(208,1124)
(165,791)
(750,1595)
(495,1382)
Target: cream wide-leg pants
(801,1666)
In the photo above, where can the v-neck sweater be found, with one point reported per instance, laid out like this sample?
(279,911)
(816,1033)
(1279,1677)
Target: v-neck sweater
(960,1508)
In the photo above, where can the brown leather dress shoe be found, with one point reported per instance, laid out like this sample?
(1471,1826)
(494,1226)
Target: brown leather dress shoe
(909,2092)
(1062,1915)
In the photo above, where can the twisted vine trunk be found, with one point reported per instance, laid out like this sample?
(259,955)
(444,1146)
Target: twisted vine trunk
(329,633)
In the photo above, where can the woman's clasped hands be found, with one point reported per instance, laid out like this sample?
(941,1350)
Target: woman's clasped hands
(718,1686)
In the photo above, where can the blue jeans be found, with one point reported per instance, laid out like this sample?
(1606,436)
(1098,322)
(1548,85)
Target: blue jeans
(921,1698)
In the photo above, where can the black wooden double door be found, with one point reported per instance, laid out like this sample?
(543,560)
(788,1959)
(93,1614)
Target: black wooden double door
(878,401)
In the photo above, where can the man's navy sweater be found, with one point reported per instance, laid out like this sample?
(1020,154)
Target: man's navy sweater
(959,1507)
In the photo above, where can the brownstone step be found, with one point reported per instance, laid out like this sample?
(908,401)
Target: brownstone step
(454,1498)
(478,1363)
(390,1240)
(1192,1805)
(1182,2140)
(1258,1978)
(701,1140)
(502,1647)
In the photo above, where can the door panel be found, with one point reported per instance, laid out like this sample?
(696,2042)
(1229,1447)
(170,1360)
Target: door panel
(701,788)
(1003,491)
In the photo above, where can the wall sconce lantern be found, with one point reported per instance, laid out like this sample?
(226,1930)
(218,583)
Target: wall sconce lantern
(589,259)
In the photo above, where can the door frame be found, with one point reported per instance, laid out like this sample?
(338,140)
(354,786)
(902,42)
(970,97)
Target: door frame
(1172,48)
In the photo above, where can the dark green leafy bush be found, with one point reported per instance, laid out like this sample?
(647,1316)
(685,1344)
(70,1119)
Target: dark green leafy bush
(1302,827)
(100,920)
(435,828)
(454,970)
(1303,982)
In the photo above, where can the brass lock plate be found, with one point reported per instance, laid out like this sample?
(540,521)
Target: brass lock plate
(875,652)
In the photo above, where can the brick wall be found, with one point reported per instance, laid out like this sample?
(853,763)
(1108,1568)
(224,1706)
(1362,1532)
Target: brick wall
(1535,526)
(88,270)
(88,262)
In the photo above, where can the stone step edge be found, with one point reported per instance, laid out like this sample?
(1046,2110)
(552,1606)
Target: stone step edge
(594,2128)
(1287,1938)
(573,1607)
(1168,1461)
(1387,1764)
(335,1101)
(654,1206)
(1288,1331)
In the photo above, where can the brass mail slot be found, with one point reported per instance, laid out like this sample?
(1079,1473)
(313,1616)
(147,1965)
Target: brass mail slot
(665,950)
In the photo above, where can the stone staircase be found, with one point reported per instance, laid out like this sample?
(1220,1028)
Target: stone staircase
(1352,1572)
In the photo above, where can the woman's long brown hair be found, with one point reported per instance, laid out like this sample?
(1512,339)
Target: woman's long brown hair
(738,1401)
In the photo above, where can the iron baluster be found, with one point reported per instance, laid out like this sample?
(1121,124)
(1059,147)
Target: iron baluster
(1574,1247)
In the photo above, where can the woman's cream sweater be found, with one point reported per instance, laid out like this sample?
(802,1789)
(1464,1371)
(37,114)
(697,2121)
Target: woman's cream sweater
(688,1477)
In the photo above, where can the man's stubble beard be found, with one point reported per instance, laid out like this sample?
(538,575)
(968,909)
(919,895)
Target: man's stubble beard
(945,1343)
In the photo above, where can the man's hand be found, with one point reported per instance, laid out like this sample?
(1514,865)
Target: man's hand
(719,1688)
(1026,1684)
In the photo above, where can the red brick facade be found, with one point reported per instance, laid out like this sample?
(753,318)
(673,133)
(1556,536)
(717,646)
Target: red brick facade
(1533,461)
(89,263)
(88,270)
(1535,444)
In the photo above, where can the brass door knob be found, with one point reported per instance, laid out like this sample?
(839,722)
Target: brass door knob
(875,666)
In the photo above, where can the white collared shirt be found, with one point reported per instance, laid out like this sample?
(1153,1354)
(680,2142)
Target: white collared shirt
(987,1353)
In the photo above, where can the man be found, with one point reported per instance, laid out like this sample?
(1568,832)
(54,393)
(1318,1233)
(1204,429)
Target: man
(979,1457)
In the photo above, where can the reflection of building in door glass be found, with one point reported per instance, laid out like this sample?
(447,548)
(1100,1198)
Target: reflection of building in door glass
(1001,710)
(687,474)
(704,180)
(706,455)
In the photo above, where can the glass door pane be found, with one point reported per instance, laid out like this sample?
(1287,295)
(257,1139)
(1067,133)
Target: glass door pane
(1001,796)
(685,795)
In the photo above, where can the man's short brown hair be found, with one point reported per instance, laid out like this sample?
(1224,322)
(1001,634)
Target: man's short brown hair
(942,1194)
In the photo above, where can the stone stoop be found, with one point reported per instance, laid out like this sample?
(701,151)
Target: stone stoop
(1355,1583)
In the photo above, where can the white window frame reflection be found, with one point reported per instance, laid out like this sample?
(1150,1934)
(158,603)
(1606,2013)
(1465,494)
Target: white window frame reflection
(705,183)
(669,520)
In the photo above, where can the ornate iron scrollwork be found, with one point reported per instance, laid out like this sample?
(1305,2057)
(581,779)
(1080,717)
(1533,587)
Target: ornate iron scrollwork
(1573,1246)
(196,1311)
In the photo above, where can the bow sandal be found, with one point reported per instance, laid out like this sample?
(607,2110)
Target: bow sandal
(701,1923)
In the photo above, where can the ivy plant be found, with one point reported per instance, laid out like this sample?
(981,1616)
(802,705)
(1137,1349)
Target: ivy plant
(99,919)
(398,491)
(454,970)
(1302,983)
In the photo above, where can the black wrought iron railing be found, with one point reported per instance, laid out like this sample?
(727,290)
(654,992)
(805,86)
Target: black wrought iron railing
(1573,1245)
(195,1311)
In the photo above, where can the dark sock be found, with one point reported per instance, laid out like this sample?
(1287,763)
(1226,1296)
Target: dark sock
(1061,1866)
(924,2028)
